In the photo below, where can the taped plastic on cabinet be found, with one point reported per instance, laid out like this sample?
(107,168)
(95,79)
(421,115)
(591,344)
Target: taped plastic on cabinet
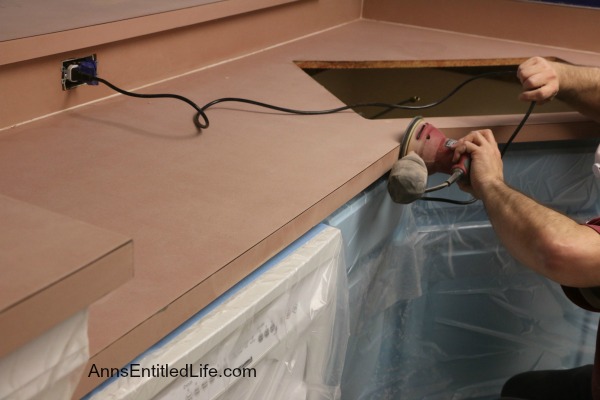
(439,309)
(49,367)
(284,329)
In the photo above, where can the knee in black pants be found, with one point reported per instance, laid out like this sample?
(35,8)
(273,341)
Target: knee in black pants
(571,384)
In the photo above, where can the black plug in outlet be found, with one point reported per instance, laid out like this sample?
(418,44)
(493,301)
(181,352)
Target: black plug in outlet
(86,65)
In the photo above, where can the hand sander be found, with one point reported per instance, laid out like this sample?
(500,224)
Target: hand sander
(424,150)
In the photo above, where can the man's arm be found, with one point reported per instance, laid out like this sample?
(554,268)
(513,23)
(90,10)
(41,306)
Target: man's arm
(539,237)
(578,86)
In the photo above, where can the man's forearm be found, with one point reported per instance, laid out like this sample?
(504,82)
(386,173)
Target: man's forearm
(580,88)
(539,237)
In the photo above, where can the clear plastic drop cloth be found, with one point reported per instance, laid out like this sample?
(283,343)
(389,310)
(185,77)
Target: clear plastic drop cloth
(48,367)
(438,309)
(281,333)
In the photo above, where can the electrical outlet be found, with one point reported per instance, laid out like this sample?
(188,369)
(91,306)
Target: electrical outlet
(87,65)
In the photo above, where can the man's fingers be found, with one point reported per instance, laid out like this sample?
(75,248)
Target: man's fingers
(462,147)
(472,141)
(483,136)
(539,79)
(540,95)
(479,137)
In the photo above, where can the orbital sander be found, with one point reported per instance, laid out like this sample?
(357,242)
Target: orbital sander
(424,150)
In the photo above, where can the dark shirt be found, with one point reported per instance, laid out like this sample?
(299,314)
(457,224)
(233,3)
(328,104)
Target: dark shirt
(589,299)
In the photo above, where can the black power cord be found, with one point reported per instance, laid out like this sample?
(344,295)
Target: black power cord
(202,122)
(199,111)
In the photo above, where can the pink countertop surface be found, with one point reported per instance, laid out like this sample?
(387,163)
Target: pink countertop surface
(205,209)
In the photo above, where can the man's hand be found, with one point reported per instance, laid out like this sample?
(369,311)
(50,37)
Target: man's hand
(540,80)
(486,163)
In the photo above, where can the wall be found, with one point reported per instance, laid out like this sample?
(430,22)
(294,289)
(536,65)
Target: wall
(548,24)
(31,87)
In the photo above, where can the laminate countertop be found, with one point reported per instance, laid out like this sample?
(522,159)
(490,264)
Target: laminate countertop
(204,209)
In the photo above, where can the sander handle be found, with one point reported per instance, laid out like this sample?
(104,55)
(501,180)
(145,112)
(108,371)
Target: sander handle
(463,164)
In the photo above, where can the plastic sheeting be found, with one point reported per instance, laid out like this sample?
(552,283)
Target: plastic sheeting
(288,322)
(439,309)
(49,367)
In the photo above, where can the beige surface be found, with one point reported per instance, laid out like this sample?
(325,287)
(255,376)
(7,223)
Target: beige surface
(52,267)
(40,28)
(523,21)
(206,209)
(45,17)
